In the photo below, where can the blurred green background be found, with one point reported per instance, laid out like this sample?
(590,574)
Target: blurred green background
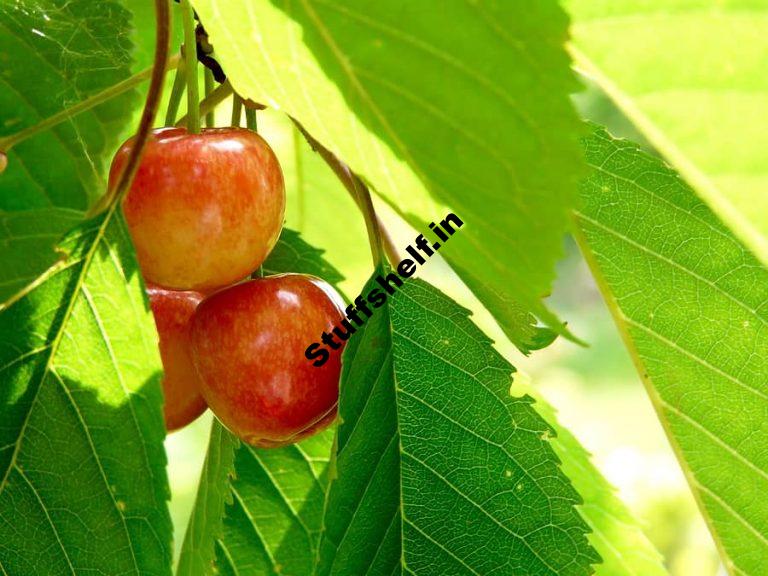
(596,390)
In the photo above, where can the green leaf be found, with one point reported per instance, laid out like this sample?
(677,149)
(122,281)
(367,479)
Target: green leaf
(83,487)
(27,242)
(274,498)
(438,469)
(205,524)
(692,303)
(474,118)
(274,522)
(616,533)
(54,54)
(690,75)
(292,254)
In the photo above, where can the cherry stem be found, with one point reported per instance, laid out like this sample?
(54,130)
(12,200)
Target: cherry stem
(237,110)
(377,233)
(190,59)
(151,104)
(250,119)
(210,118)
(8,142)
(221,93)
(179,85)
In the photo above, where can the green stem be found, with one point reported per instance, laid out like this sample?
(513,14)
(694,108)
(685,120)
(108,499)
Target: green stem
(221,93)
(250,119)
(190,56)
(177,91)
(210,119)
(237,110)
(8,142)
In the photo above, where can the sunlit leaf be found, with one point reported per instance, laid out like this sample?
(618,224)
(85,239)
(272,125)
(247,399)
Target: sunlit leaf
(205,523)
(691,76)
(616,534)
(275,519)
(692,303)
(434,115)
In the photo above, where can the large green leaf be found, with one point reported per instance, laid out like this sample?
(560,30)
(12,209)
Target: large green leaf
(53,54)
(83,487)
(27,242)
(438,469)
(692,303)
(616,533)
(463,107)
(691,75)
(274,497)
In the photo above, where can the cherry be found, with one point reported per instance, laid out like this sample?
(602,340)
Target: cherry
(248,345)
(173,312)
(204,210)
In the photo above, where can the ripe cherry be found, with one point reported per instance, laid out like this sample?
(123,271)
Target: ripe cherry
(173,312)
(248,344)
(204,210)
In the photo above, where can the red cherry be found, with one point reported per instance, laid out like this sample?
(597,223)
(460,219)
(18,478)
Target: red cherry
(204,210)
(173,312)
(248,345)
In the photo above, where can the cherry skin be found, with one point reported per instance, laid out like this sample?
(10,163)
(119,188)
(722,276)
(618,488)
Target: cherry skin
(204,210)
(173,312)
(248,344)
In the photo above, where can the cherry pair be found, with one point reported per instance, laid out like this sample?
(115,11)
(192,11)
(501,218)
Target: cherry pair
(204,211)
